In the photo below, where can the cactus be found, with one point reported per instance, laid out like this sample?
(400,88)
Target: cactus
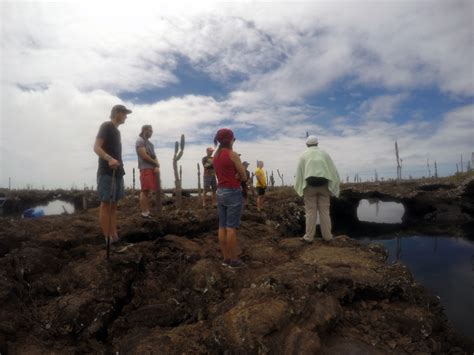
(436,170)
(272,180)
(133,186)
(158,198)
(199,180)
(281,178)
(399,165)
(178,153)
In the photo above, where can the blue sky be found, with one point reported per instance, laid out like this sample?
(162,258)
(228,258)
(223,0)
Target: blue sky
(190,81)
(359,75)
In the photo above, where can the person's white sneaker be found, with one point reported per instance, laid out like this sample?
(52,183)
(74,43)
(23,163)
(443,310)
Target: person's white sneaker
(307,241)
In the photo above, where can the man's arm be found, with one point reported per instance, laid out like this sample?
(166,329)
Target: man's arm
(99,142)
(206,163)
(299,178)
(234,157)
(332,166)
(144,155)
(299,171)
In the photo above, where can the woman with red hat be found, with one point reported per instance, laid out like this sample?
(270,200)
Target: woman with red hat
(230,173)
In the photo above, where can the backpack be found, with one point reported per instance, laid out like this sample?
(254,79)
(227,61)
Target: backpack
(316,181)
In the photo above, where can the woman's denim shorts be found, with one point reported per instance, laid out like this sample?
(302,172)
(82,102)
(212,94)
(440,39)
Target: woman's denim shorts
(229,206)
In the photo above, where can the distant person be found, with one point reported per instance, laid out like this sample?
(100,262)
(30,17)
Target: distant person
(316,179)
(230,173)
(261,185)
(210,183)
(149,168)
(245,184)
(110,187)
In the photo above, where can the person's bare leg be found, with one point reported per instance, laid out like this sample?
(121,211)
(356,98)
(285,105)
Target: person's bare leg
(252,190)
(222,235)
(204,198)
(144,205)
(104,213)
(260,200)
(232,243)
(214,198)
(113,222)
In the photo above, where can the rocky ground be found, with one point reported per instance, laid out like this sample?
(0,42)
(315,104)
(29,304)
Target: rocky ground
(164,290)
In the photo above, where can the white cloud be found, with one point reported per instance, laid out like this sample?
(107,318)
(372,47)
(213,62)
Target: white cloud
(381,107)
(294,52)
(63,66)
(224,46)
(50,140)
(396,45)
(48,43)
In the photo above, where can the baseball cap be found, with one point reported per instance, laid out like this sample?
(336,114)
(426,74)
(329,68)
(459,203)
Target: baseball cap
(311,140)
(119,108)
(246,163)
(224,135)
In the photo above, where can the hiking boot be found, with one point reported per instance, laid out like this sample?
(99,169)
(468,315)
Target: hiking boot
(236,264)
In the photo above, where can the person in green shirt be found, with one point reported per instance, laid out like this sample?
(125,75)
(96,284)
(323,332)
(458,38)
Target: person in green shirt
(316,179)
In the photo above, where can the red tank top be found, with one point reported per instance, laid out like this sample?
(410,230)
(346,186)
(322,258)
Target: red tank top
(225,170)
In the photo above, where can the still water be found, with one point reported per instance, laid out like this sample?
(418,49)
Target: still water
(55,207)
(444,265)
(374,210)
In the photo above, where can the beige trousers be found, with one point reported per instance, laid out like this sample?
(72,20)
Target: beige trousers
(317,199)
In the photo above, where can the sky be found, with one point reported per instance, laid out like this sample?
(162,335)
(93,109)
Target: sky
(359,75)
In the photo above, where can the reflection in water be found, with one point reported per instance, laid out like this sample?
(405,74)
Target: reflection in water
(399,248)
(57,207)
(443,265)
(374,210)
